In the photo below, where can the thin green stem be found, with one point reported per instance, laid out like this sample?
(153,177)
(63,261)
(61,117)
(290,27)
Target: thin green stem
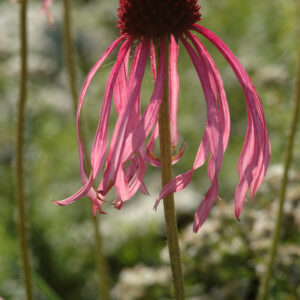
(20,197)
(69,54)
(103,275)
(264,288)
(169,205)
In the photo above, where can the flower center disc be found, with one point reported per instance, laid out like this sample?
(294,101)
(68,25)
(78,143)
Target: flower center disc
(156,18)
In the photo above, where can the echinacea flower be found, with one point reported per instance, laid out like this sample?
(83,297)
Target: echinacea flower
(165,24)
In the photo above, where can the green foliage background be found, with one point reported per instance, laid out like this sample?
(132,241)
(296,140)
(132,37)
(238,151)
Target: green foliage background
(223,261)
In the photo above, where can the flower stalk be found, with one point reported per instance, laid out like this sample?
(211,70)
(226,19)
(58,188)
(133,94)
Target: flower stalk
(103,275)
(20,197)
(101,261)
(166,175)
(264,288)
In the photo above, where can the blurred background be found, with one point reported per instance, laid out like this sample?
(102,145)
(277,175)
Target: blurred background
(225,260)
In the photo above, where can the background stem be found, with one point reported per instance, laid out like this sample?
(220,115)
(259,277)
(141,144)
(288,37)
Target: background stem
(69,57)
(166,175)
(263,291)
(71,69)
(20,197)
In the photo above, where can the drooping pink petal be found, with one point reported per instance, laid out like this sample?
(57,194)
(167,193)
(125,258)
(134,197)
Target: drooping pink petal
(214,130)
(79,194)
(173,89)
(223,104)
(255,155)
(181,181)
(88,182)
(212,137)
(120,98)
(100,142)
(114,159)
(154,136)
(131,171)
(213,119)
(173,93)
(135,111)
(112,81)
(134,182)
(120,89)
(212,86)
(137,137)
(205,205)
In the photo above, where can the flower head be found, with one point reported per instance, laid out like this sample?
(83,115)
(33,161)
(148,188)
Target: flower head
(124,159)
(156,18)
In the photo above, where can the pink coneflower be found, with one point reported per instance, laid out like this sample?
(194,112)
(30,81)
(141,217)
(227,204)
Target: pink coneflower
(165,24)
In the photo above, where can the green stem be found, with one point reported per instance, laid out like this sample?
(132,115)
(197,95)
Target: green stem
(103,276)
(263,291)
(166,175)
(101,261)
(20,197)
(69,54)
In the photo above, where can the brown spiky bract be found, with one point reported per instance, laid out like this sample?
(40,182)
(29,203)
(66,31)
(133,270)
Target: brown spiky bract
(156,18)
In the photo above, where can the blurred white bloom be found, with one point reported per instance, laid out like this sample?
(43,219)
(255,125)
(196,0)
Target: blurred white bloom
(133,282)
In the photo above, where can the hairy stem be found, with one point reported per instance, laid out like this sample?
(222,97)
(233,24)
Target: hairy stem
(166,175)
(263,291)
(20,197)
(101,261)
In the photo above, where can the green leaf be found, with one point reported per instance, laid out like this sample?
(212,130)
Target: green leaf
(45,288)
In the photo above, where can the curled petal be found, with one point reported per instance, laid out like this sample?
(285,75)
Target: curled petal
(223,104)
(79,194)
(213,119)
(255,155)
(177,184)
(153,160)
(205,205)
(216,132)
(131,171)
(134,182)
